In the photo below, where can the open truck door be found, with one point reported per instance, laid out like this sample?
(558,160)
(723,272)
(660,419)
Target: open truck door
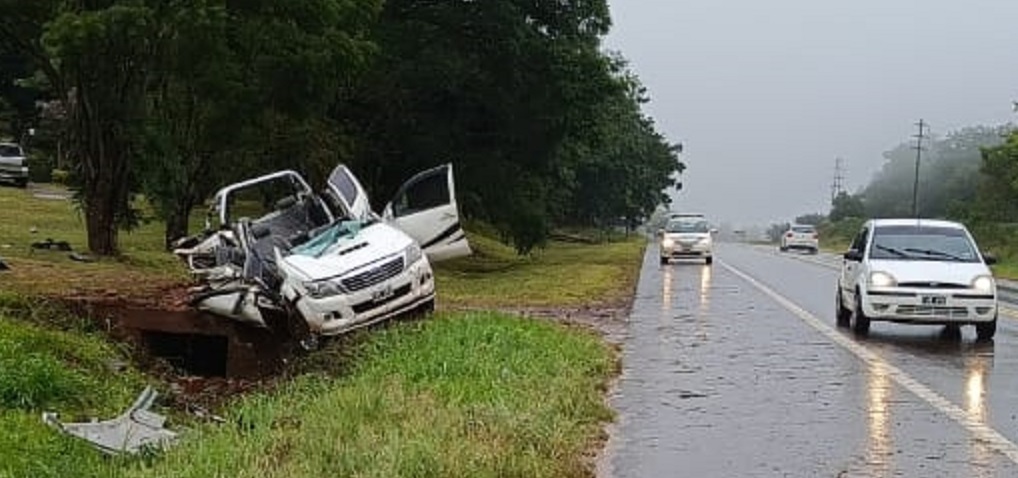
(425,208)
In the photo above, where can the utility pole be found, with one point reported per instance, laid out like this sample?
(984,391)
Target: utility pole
(838,185)
(918,157)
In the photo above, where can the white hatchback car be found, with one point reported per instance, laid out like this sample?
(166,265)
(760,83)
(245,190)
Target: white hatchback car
(916,271)
(690,237)
(801,237)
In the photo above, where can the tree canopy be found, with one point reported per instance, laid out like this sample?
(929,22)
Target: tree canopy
(173,99)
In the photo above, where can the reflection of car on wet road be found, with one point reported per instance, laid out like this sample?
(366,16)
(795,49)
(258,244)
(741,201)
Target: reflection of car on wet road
(324,257)
(916,271)
(687,237)
(13,164)
(800,237)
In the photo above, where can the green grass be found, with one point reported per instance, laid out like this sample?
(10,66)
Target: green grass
(561,275)
(78,375)
(144,260)
(466,394)
(461,394)
(1006,268)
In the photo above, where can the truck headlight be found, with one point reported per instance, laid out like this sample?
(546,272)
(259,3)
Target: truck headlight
(667,243)
(882,279)
(323,288)
(413,254)
(983,284)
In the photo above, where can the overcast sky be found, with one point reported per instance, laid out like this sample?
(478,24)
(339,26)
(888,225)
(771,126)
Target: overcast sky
(765,94)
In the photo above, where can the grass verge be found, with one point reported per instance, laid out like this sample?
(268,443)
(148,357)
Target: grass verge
(465,394)
(143,267)
(76,374)
(561,275)
(461,394)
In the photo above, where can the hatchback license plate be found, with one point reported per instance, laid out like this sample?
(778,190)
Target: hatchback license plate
(933,299)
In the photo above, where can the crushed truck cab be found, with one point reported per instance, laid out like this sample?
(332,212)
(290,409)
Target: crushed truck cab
(325,258)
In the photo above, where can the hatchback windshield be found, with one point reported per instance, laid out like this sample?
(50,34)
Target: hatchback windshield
(922,243)
(804,229)
(688,226)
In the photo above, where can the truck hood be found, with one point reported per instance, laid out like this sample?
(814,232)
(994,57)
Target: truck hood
(350,252)
(12,160)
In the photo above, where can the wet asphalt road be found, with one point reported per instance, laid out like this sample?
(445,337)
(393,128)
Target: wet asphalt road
(738,370)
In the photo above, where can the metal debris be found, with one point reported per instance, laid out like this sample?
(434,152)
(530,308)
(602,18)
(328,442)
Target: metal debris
(134,430)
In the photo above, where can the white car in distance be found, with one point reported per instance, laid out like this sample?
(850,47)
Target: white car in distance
(918,272)
(324,259)
(687,237)
(13,164)
(802,237)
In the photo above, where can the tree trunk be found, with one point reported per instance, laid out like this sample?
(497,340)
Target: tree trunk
(100,222)
(177,222)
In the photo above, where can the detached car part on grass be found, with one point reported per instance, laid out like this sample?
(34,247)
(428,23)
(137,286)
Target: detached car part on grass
(325,258)
(134,430)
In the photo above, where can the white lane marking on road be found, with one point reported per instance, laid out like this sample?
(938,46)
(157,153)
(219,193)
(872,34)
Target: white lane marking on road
(1008,312)
(979,430)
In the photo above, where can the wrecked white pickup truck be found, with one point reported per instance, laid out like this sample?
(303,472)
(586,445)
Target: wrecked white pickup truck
(280,249)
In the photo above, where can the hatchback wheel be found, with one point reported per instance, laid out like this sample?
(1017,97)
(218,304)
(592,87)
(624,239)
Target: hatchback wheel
(664,260)
(842,313)
(860,323)
(709,260)
(986,330)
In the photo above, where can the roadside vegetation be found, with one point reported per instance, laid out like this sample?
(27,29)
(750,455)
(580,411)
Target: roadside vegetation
(463,393)
(171,100)
(141,109)
(967,175)
(43,368)
(561,275)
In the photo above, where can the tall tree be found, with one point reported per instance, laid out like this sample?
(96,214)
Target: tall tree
(96,57)
(948,174)
(846,206)
(248,85)
(997,198)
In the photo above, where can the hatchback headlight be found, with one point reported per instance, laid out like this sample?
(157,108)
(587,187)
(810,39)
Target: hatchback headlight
(882,279)
(323,288)
(667,243)
(983,284)
(413,254)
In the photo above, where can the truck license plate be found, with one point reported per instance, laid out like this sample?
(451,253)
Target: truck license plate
(933,299)
(382,294)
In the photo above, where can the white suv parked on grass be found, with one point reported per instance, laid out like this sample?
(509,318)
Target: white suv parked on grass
(916,271)
(801,237)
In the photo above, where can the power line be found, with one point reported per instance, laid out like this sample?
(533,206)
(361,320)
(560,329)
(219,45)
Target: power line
(918,157)
(838,185)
